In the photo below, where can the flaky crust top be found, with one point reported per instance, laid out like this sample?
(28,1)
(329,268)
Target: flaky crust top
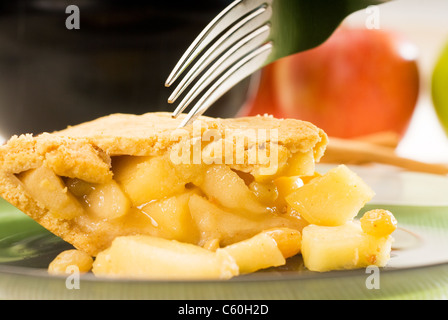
(84,151)
(154,133)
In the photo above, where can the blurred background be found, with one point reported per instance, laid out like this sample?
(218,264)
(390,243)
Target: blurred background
(118,60)
(426,26)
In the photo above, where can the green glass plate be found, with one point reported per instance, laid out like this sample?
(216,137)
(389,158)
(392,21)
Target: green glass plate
(418,268)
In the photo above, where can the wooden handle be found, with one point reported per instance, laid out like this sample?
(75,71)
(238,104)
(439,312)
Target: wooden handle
(360,152)
(386,139)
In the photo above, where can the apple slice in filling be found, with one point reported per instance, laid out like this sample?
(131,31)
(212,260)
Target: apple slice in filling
(211,206)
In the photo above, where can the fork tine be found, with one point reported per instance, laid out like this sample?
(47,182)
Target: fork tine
(220,23)
(189,55)
(246,23)
(237,72)
(235,53)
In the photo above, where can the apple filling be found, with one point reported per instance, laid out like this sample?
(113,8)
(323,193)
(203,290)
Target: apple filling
(227,221)
(190,203)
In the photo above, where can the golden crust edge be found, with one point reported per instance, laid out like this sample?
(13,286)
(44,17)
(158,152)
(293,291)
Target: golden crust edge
(19,159)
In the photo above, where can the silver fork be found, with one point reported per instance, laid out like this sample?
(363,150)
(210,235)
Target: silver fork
(246,36)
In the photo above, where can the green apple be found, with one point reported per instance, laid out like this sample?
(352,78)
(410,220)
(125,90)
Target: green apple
(439,88)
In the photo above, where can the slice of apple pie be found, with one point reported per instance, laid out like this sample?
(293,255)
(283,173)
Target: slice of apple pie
(215,199)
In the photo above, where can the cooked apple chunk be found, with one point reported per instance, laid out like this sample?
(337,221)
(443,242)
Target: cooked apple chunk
(172,217)
(228,227)
(332,199)
(300,164)
(107,201)
(225,186)
(103,201)
(49,189)
(151,257)
(343,247)
(147,178)
(288,240)
(258,252)
(287,185)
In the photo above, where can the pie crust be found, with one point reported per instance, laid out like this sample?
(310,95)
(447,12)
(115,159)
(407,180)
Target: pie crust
(87,152)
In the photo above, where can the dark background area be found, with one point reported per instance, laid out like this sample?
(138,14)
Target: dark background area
(118,60)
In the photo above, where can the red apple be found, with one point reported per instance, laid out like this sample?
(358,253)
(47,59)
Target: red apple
(358,82)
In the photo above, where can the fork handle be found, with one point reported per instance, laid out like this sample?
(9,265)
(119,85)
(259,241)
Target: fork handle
(299,25)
